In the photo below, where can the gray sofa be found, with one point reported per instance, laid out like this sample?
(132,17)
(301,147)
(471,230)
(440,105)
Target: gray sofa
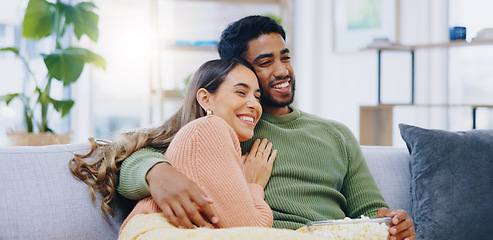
(40,199)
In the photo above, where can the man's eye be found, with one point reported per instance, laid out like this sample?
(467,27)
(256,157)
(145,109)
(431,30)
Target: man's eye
(286,58)
(263,64)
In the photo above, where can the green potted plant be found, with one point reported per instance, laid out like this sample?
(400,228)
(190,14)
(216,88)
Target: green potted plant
(60,22)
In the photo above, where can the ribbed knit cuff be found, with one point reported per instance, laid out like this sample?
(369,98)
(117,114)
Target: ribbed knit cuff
(133,184)
(372,214)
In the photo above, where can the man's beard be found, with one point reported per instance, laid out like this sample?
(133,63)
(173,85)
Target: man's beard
(268,100)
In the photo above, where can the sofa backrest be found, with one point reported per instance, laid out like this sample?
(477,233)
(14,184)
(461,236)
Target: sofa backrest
(390,168)
(40,199)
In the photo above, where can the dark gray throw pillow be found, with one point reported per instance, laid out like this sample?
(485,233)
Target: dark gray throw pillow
(451,182)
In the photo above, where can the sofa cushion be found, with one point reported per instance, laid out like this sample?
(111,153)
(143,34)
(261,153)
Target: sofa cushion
(390,169)
(40,199)
(452,182)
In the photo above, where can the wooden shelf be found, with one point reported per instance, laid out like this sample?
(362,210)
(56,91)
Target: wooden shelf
(376,122)
(211,48)
(461,43)
(168,93)
(440,105)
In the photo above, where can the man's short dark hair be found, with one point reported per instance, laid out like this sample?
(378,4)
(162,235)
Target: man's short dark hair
(234,39)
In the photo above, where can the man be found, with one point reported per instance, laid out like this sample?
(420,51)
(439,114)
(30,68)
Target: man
(319,173)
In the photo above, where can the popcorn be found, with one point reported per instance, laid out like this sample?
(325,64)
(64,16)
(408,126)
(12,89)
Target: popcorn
(352,229)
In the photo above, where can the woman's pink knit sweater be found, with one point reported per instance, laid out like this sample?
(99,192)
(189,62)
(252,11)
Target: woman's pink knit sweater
(207,151)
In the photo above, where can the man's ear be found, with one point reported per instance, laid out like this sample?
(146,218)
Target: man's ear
(204,98)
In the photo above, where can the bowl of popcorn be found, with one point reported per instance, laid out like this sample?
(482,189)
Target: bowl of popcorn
(351,229)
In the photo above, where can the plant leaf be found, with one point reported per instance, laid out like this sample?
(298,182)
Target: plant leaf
(85,20)
(62,9)
(10,49)
(39,19)
(96,60)
(63,106)
(67,65)
(9,97)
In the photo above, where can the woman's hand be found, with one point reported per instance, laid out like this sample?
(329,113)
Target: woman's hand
(258,162)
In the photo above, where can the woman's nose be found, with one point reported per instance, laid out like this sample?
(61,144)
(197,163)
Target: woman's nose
(253,103)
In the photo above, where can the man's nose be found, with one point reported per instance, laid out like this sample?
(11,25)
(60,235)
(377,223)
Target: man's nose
(280,70)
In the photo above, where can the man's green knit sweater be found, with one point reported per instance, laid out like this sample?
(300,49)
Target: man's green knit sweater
(319,172)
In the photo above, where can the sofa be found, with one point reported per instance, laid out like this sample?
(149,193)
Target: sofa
(40,199)
(444,180)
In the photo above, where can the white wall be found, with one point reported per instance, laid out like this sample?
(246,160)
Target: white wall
(334,85)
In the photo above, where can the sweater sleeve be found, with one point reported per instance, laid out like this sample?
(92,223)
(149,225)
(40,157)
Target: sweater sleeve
(132,182)
(360,189)
(207,151)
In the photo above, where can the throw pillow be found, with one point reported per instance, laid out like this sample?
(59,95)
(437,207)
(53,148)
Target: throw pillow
(451,182)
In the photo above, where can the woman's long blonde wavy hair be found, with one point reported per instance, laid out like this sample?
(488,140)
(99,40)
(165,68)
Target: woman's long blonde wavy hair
(102,173)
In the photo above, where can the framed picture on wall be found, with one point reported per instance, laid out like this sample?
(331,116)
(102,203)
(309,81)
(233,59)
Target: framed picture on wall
(361,23)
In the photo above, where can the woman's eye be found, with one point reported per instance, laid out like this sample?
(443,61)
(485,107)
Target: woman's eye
(241,92)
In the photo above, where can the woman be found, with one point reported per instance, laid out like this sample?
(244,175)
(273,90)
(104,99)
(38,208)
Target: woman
(207,149)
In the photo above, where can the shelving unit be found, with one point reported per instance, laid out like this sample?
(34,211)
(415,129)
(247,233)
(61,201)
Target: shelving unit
(411,49)
(186,33)
(376,122)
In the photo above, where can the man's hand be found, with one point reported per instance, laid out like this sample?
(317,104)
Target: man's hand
(402,226)
(180,198)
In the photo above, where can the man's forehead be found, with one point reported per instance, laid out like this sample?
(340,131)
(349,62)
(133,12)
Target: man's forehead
(265,40)
(266,45)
